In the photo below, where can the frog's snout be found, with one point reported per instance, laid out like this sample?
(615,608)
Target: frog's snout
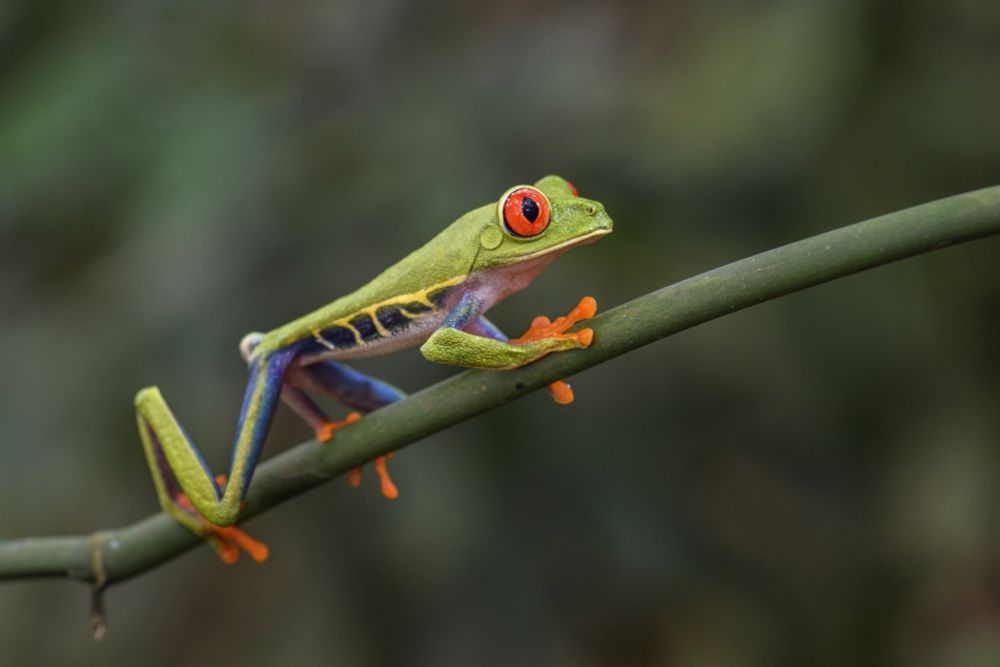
(601,219)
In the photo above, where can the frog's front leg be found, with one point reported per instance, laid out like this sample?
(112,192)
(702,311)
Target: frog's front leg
(453,344)
(186,488)
(560,390)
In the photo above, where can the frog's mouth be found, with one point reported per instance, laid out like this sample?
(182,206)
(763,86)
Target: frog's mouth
(570,243)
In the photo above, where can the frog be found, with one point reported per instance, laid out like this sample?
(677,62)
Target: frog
(435,298)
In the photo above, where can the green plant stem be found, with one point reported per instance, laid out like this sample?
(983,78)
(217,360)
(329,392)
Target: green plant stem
(115,555)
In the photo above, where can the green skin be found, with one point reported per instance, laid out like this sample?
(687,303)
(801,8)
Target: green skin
(474,262)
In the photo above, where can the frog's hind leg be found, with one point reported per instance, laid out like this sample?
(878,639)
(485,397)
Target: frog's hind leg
(226,541)
(351,388)
(347,386)
(186,488)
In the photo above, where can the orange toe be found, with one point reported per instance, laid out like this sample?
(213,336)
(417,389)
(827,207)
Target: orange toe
(561,392)
(389,489)
(586,309)
(228,552)
(355,478)
(324,432)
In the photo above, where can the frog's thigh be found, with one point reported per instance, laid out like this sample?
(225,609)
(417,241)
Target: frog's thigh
(347,385)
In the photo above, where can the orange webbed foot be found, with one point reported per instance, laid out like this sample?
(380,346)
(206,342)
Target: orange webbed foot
(389,489)
(541,327)
(227,541)
(324,432)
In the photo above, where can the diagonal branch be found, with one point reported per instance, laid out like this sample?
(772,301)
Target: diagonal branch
(112,556)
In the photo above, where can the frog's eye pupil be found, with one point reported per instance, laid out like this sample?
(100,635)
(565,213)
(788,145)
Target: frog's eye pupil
(529,207)
(525,212)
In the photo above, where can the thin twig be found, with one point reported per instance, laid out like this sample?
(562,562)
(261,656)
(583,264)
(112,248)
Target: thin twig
(151,542)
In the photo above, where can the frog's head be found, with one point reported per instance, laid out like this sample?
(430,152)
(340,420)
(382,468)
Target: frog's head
(539,222)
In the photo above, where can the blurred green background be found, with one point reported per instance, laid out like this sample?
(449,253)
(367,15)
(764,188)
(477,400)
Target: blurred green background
(813,481)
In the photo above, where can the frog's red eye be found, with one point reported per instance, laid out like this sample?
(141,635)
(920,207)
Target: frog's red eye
(526,212)
(572,188)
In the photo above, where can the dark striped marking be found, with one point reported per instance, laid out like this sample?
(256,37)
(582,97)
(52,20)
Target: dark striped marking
(437,296)
(363,323)
(416,307)
(339,337)
(392,318)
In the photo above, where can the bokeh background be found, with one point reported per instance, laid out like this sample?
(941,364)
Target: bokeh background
(812,481)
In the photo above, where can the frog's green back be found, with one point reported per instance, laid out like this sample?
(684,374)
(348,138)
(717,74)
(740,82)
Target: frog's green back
(445,259)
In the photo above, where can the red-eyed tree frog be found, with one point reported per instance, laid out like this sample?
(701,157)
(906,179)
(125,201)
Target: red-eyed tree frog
(435,298)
